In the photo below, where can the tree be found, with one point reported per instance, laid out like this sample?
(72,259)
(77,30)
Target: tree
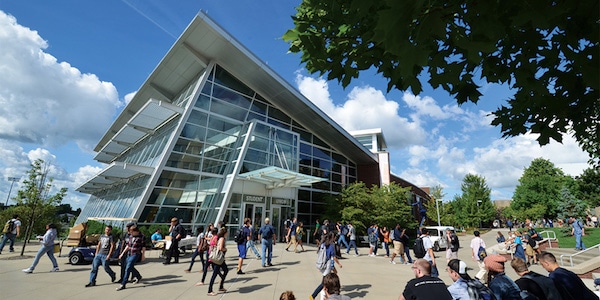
(540,183)
(588,186)
(34,201)
(548,58)
(386,205)
(570,206)
(474,207)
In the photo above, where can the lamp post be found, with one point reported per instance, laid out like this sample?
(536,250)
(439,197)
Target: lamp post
(479,212)
(12,181)
(437,207)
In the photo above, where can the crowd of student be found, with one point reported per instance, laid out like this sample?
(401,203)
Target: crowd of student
(490,282)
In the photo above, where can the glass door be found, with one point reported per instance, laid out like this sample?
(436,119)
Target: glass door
(256,213)
(276,221)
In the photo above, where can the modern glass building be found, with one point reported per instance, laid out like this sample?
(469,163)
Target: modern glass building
(214,134)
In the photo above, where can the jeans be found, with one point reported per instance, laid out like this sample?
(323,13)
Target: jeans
(342,240)
(217,271)
(11,237)
(49,250)
(352,244)
(578,242)
(173,252)
(101,259)
(250,245)
(407,252)
(196,253)
(267,246)
(386,246)
(130,268)
(434,270)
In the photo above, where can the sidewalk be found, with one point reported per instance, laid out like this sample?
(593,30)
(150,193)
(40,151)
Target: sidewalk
(362,277)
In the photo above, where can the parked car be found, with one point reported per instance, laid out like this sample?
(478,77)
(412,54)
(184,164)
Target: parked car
(437,236)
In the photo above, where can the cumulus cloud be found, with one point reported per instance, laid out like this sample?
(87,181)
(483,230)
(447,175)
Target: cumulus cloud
(364,108)
(46,102)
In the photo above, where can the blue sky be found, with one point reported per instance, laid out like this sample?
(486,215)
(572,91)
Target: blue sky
(68,68)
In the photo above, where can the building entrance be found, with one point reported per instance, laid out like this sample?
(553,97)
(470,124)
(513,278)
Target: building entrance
(256,213)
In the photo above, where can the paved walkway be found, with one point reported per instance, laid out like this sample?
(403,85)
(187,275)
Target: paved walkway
(362,277)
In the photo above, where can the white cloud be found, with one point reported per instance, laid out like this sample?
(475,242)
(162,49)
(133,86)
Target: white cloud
(46,102)
(364,108)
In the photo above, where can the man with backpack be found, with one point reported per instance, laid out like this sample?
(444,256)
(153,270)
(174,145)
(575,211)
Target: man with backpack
(578,231)
(242,236)
(477,251)
(464,287)
(429,255)
(12,229)
(532,283)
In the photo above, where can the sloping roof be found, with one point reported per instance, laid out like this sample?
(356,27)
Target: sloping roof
(204,41)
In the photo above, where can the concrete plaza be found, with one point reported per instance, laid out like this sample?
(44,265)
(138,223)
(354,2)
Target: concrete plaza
(362,277)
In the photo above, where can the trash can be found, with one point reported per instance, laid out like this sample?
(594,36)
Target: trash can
(56,247)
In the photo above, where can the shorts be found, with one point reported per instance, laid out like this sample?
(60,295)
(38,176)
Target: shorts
(451,254)
(529,250)
(536,245)
(398,248)
(242,250)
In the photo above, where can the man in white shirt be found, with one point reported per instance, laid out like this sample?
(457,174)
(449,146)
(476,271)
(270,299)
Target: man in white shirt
(477,242)
(429,255)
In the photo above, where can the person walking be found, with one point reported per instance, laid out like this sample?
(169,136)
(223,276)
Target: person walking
(578,231)
(291,235)
(503,287)
(569,280)
(211,239)
(352,235)
(405,240)
(46,248)
(12,230)
(424,286)
(476,244)
(198,251)
(398,246)
(219,269)
(250,243)
(267,236)
(327,245)
(177,232)
(300,235)
(123,259)
(134,251)
(385,234)
(342,232)
(452,245)
(429,255)
(543,287)
(104,250)
(241,245)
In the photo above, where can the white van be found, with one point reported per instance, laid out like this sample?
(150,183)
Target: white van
(437,234)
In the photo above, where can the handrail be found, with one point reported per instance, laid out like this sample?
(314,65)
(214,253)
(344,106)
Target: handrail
(570,256)
(551,236)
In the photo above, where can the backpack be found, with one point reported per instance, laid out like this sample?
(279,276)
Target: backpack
(419,248)
(526,295)
(321,258)
(239,236)
(9,226)
(344,230)
(481,253)
(478,291)
(454,243)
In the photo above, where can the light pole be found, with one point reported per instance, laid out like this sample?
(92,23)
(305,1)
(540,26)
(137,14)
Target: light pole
(437,207)
(479,212)
(12,181)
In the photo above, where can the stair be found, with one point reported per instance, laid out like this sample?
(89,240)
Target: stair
(584,264)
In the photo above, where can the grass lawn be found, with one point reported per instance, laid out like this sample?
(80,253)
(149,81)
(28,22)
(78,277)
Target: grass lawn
(591,237)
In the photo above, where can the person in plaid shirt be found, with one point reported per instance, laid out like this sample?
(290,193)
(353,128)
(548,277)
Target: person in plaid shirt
(136,250)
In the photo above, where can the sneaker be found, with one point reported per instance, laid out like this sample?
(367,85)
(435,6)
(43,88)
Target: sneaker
(187,271)
(240,272)
(137,280)
(55,269)
(270,264)
(121,287)
(113,277)
(392,262)
(91,284)
(28,270)
(355,255)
